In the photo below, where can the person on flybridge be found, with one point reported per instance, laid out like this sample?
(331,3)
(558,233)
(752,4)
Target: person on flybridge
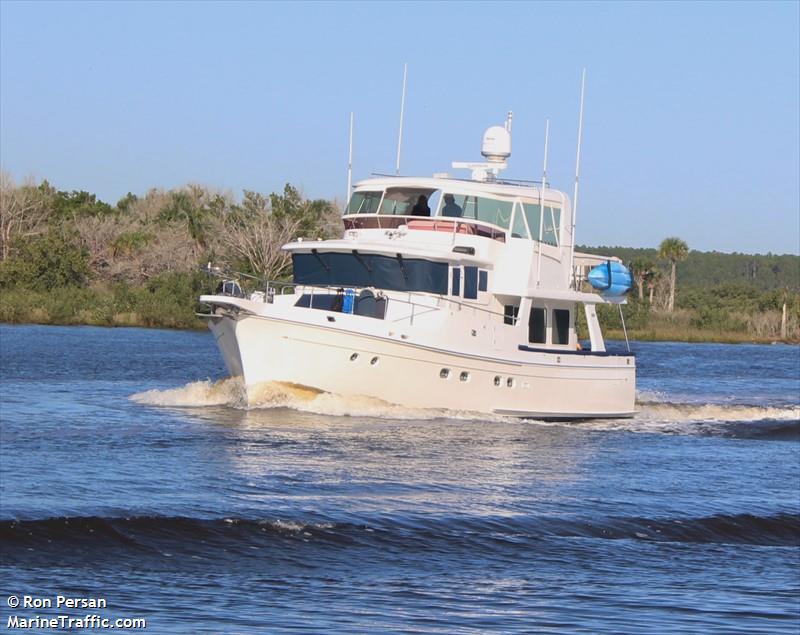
(451,208)
(421,208)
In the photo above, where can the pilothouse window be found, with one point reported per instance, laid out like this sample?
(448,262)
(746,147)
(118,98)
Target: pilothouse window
(355,269)
(456,287)
(471,283)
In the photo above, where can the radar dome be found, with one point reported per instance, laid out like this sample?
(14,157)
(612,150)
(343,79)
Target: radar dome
(496,146)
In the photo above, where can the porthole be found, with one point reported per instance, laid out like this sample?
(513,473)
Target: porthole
(464,376)
(354,357)
(510,382)
(373,361)
(497,380)
(444,373)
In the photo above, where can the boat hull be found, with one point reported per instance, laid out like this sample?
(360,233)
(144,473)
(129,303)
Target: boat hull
(546,385)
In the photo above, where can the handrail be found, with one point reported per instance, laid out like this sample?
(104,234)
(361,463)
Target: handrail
(332,289)
(380,221)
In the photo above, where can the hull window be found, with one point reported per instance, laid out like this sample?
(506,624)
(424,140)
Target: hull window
(537,326)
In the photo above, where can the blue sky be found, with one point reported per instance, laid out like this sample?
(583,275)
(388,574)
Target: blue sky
(691,126)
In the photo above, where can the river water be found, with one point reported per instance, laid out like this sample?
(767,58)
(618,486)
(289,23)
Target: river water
(130,471)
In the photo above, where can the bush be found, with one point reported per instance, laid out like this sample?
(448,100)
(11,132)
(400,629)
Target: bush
(44,263)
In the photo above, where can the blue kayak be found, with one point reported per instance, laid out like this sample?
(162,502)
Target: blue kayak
(611,278)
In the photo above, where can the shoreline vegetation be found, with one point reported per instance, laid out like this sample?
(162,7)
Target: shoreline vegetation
(68,258)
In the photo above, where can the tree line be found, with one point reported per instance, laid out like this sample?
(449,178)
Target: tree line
(69,257)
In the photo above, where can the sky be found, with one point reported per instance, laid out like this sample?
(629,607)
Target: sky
(691,127)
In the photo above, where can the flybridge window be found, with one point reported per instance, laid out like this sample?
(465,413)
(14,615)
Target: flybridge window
(519,230)
(353,269)
(488,210)
(552,222)
(364,202)
(548,226)
(401,201)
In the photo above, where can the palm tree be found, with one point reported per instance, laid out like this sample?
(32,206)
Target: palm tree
(642,269)
(673,249)
(652,280)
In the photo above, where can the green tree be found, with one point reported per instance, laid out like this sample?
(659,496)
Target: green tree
(72,205)
(44,263)
(673,249)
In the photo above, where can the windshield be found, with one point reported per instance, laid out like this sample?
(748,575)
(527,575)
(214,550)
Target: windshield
(401,201)
(364,202)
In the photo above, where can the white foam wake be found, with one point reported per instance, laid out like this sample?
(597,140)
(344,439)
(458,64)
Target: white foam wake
(231,392)
(197,394)
(652,411)
(651,416)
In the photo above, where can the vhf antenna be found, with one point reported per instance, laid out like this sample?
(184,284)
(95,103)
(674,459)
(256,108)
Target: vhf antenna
(402,109)
(577,177)
(544,168)
(541,206)
(349,165)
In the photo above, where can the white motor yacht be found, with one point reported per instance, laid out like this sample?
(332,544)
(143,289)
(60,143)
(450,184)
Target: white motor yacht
(442,292)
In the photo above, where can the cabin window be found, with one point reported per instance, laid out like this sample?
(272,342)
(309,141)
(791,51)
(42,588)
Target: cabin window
(537,326)
(364,202)
(354,269)
(510,313)
(401,201)
(560,326)
(456,286)
(518,229)
(483,280)
(471,283)
(488,210)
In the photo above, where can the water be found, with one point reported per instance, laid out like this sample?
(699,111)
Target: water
(129,470)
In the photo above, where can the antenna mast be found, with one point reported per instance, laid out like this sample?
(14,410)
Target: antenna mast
(577,177)
(402,110)
(546,137)
(349,164)
(541,206)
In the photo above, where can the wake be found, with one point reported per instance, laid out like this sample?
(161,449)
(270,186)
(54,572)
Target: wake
(743,421)
(231,393)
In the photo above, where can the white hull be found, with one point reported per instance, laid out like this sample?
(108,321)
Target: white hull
(332,359)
